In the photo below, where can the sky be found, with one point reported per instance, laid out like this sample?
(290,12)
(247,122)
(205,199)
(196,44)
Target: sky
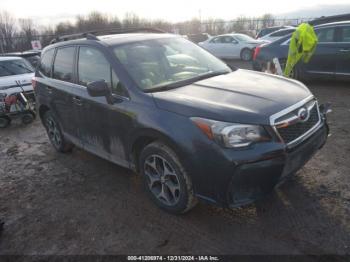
(48,12)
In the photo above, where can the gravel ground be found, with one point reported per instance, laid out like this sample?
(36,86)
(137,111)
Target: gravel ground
(77,203)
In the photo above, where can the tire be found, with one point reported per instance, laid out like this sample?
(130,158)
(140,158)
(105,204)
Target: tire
(55,134)
(27,118)
(246,54)
(4,121)
(165,179)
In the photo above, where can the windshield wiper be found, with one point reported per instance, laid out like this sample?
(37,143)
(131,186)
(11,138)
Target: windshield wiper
(186,81)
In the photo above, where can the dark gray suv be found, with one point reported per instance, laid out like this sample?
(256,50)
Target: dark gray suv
(164,107)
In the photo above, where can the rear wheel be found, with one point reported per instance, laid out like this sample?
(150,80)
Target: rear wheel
(246,54)
(55,134)
(165,179)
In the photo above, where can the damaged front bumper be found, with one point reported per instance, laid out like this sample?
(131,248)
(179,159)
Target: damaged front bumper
(252,181)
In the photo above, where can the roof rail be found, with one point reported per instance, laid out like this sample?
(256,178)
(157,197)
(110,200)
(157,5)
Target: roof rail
(91,35)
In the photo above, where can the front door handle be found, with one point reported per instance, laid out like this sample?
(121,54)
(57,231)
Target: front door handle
(77,100)
(344,50)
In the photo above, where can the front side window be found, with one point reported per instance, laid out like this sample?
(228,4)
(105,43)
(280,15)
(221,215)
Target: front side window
(45,64)
(93,66)
(63,65)
(15,67)
(325,35)
(157,63)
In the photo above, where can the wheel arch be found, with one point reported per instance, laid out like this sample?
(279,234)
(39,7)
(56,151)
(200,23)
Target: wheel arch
(42,110)
(145,137)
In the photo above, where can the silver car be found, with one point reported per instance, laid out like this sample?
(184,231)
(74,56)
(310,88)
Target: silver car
(231,46)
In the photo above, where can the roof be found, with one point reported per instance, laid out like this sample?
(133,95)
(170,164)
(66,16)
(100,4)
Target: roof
(333,23)
(135,37)
(115,39)
(8,58)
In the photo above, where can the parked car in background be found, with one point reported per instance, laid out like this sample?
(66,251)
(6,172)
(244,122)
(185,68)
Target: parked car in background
(231,46)
(196,38)
(193,131)
(277,34)
(269,30)
(331,59)
(32,56)
(15,76)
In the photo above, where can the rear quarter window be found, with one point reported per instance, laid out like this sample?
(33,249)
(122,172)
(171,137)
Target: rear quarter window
(46,62)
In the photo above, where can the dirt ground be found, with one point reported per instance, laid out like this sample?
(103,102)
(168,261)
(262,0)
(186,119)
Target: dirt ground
(77,203)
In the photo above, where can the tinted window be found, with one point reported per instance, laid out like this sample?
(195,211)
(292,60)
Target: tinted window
(325,35)
(345,34)
(15,67)
(63,65)
(46,60)
(93,66)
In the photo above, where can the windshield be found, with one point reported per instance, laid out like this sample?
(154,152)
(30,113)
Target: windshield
(167,63)
(244,38)
(15,67)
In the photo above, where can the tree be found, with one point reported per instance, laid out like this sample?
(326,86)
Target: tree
(268,20)
(27,32)
(7,31)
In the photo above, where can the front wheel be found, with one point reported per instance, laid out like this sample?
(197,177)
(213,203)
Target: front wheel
(55,134)
(165,179)
(246,54)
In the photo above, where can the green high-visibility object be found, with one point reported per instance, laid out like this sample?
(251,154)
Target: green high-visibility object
(302,46)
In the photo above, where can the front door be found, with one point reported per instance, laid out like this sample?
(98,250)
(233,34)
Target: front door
(104,125)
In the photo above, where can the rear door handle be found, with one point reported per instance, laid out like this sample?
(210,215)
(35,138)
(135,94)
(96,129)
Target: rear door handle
(77,100)
(344,50)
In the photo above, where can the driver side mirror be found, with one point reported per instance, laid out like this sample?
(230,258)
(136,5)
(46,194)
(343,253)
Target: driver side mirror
(98,88)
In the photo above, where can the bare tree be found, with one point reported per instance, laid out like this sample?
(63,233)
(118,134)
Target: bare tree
(7,31)
(28,32)
(268,20)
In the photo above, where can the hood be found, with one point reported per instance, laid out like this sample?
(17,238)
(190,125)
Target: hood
(9,84)
(242,96)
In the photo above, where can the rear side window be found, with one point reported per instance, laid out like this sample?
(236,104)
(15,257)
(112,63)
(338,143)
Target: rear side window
(325,35)
(46,61)
(63,65)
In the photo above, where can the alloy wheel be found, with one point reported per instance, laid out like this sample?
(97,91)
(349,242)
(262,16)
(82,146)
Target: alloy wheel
(162,180)
(53,132)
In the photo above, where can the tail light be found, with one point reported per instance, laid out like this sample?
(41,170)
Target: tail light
(33,82)
(256,52)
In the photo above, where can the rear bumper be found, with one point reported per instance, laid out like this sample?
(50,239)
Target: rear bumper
(255,180)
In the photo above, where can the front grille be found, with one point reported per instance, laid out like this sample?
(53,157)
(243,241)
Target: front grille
(292,132)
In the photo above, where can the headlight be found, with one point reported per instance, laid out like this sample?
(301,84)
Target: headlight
(231,135)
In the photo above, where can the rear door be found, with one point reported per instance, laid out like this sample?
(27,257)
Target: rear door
(323,61)
(343,56)
(59,88)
